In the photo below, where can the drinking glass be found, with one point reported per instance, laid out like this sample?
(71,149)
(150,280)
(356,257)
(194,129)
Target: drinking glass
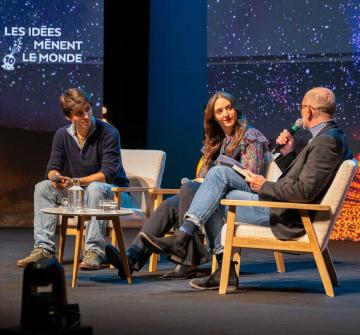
(65,203)
(110,207)
(102,204)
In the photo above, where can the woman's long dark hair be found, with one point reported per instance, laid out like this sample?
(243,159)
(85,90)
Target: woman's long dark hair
(214,134)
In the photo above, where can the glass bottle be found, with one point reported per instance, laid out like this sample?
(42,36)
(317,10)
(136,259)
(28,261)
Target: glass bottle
(76,195)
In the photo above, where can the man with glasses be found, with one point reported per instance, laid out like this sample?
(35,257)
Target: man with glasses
(89,149)
(305,178)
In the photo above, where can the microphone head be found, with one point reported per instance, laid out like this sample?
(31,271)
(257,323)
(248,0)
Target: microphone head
(295,127)
(299,123)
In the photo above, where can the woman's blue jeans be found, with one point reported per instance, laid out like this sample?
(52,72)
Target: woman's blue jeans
(223,182)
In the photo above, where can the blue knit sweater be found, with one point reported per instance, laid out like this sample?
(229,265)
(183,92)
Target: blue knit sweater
(100,153)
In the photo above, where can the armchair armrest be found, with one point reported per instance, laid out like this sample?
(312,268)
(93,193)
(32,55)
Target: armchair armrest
(132,189)
(147,189)
(156,194)
(275,204)
(162,191)
(151,190)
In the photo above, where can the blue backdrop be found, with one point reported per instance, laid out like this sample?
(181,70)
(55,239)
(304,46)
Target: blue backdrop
(177,84)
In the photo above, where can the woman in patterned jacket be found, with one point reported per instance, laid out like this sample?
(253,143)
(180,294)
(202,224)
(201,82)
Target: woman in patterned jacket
(227,133)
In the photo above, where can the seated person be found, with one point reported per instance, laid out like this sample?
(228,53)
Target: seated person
(305,179)
(226,133)
(90,150)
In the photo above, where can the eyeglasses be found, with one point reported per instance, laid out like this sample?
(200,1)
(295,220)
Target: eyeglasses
(228,108)
(300,107)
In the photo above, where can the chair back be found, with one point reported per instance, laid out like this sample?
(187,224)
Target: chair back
(144,168)
(324,222)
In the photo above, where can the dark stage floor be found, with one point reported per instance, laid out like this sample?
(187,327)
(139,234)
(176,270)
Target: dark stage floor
(267,302)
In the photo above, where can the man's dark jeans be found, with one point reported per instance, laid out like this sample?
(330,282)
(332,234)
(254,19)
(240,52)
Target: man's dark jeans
(168,215)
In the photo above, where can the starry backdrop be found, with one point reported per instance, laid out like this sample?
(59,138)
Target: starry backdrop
(29,93)
(268,53)
(29,110)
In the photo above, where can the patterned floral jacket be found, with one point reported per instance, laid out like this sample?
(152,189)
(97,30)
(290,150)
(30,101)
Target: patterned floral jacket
(252,151)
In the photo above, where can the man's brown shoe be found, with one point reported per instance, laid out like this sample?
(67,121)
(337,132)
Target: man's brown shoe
(91,261)
(35,255)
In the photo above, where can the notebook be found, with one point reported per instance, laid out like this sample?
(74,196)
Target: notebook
(230,162)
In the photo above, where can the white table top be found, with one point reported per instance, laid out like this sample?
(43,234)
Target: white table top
(85,212)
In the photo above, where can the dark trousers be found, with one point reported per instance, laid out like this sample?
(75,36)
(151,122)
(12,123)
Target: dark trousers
(168,215)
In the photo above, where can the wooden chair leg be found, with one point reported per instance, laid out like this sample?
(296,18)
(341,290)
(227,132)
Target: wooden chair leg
(78,239)
(113,242)
(225,268)
(318,256)
(62,238)
(83,251)
(120,241)
(154,258)
(153,262)
(117,199)
(113,238)
(324,274)
(279,260)
(214,264)
(330,267)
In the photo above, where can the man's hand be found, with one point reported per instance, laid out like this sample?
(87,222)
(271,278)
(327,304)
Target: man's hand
(287,140)
(256,181)
(66,182)
(60,182)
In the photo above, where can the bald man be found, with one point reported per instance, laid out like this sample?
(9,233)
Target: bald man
(305,178)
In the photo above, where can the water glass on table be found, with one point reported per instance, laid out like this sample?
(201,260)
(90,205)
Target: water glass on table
(65,204)
(108,206)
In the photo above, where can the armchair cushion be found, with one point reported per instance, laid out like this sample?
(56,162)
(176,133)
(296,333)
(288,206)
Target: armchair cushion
(250,230)
(144,168)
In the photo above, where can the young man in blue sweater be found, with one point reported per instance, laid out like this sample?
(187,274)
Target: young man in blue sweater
(89,149)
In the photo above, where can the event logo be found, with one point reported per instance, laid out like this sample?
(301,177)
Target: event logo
(42,45)
(9,59)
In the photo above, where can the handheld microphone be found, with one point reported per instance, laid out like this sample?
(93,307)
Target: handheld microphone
(292,130)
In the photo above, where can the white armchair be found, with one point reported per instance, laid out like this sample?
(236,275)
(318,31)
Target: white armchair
(315,241)
(145,169)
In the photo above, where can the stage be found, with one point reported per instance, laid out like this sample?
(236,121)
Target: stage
(266,302)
